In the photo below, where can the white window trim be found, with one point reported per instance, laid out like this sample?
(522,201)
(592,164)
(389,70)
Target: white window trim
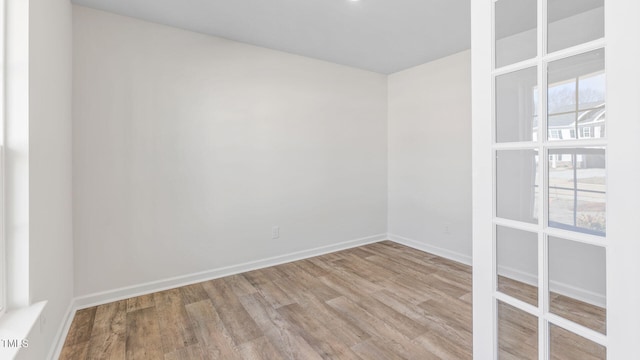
(3,248)
(3,252)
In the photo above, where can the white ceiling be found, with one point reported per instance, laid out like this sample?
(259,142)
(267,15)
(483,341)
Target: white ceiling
(384,36)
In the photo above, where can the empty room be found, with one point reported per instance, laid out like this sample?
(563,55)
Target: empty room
(336,179)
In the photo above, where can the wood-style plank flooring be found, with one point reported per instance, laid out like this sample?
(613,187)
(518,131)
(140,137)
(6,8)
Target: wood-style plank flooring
(379,301)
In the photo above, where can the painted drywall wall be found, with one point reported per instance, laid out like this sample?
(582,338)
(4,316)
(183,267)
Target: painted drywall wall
(49,221)
(187,149)
(430,156)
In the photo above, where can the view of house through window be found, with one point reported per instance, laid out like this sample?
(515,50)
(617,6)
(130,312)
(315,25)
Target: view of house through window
(576,97)
(576,111)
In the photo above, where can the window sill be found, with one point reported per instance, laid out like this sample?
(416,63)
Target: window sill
(15,326)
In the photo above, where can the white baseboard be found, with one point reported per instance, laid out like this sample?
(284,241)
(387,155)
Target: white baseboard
(518,275)
(445,253)
(557,287)
(104,297)
(587,296)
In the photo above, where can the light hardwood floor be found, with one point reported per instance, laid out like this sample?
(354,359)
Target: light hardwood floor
(379,301)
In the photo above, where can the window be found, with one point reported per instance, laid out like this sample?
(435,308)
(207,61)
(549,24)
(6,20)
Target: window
(549,189)
(577,190)
(555,134)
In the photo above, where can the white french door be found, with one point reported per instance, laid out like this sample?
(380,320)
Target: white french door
(553,165)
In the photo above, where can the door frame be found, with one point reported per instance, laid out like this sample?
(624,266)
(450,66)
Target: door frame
(623,178)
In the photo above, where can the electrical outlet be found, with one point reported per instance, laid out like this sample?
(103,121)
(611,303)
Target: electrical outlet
(275,232)
(447,229)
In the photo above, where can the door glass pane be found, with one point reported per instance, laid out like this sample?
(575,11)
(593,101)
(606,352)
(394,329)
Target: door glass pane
(577,282)
(566,345)
(577,190)
(517,262)
(517,185)
(516,31)
(573,22)
(516,106)
(576,97)
(517,333)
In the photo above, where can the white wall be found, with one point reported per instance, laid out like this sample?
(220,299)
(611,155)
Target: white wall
(189,148)
(50,243)
(430,156)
